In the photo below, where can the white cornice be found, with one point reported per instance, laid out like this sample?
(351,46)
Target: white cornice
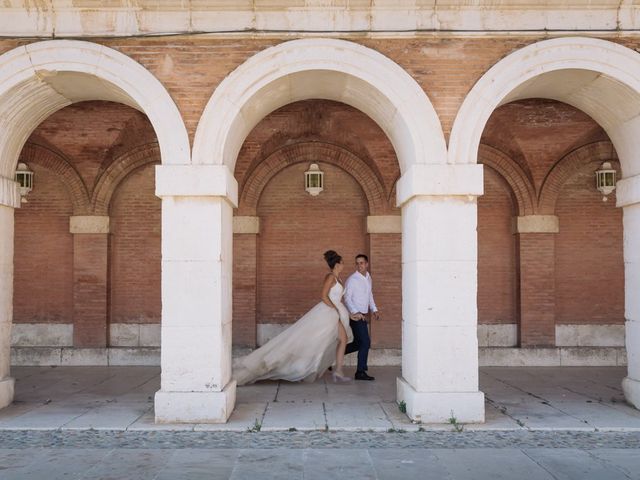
(86,18)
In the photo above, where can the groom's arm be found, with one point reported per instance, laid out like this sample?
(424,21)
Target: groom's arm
(372,303)
(348,297)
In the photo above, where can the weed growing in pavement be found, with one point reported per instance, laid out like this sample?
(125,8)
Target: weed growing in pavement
(454,421)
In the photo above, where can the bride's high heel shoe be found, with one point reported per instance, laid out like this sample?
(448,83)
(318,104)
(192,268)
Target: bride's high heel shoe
(339,378)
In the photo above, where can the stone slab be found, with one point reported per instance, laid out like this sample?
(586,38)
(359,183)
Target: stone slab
(573,463)
(504,464)
(108,417)
(245,417)
(364,417)
(291,416)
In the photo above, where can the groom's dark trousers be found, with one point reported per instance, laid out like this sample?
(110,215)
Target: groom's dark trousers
(361,343)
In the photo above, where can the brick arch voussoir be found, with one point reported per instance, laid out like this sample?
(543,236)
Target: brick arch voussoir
(521,186)
(118,170)
(309,152)
(58,164)
(569,165)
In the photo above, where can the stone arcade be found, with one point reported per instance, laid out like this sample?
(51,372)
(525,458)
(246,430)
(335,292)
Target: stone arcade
(403,108)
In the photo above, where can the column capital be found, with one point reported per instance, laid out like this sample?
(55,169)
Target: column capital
(196,181)
(536,224)
(9,193)
(88,224)
(628,191)
(440,180)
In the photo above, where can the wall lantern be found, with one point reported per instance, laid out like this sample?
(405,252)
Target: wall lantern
(24,178)
(605,180)
(314,180)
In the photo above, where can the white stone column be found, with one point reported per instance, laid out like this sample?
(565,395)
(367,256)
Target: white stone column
(9,200)
(439,290)
(628,197)
(197,236)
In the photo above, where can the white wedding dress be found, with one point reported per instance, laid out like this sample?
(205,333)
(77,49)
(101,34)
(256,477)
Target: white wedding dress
(303,351)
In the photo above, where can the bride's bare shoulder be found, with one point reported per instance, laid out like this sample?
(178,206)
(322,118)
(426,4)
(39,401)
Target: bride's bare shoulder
(329,277)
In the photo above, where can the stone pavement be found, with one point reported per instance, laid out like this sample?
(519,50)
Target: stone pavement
(97,422)
(51,455)
(121,398)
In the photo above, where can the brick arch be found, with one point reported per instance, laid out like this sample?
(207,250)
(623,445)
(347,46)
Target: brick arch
(569,165)
(118,171)
(313,152)
(521,187)
(58,164)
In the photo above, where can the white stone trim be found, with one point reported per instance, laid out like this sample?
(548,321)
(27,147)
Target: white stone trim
(195,407)
(39,78)
(628,191)
(196,181)
(590,335)
(246,224)
(439,407)
(70,356)
(488,356)
(552,357)
(64,18)
(447,180)
(267,331)
(7,387)
(88,224)
(631,389)
(600,77)
(320,68)
(498,335)
(9,193)
(134,334)
(384,224)
(536,224)
(42,335)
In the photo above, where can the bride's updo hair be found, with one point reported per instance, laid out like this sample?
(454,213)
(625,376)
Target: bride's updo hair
(332,258)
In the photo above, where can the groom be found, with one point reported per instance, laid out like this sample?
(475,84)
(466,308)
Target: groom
(358,298)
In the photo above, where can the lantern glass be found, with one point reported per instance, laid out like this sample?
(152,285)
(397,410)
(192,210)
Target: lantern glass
(314,180)
(24,178)
(606,179)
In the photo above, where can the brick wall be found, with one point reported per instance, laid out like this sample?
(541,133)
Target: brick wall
(87,279)
(497,279)
(589,262)
(135,250)
(296,229)
(534,133)
(244,289)
(43,261)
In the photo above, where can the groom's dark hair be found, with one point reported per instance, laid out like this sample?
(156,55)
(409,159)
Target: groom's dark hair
(362,255)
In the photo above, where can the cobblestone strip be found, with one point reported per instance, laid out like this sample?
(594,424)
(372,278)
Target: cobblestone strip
(207,439)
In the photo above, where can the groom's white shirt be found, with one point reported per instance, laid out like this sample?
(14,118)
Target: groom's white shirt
(358,295)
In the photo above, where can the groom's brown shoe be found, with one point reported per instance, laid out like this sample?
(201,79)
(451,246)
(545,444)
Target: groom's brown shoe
(363,376)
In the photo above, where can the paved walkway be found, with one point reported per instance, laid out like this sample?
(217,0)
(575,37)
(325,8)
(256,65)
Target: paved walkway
(121,398)
(96,423)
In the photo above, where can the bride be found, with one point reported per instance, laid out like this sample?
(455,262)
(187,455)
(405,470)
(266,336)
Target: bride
(308,347)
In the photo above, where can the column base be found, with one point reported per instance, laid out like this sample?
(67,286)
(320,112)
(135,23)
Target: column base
(195,407)
(631,389)
(439,407)
(6,391)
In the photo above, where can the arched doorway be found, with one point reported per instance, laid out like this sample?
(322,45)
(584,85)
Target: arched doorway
(41,78)
(601,79)
(439,265)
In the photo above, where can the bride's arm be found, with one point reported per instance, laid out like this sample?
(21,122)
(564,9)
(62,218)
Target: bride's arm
(329,281)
